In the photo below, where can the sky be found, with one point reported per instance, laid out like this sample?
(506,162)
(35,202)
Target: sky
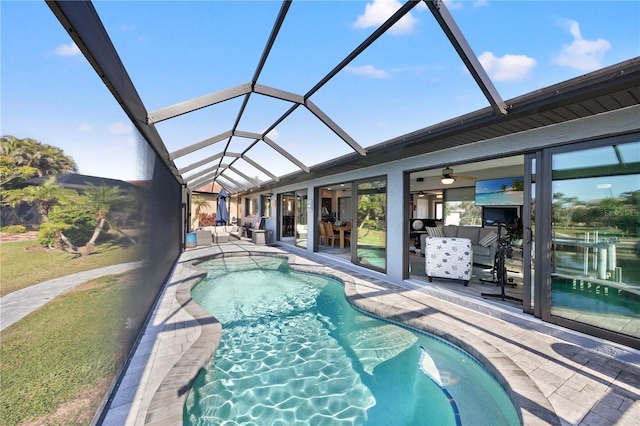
(409,79)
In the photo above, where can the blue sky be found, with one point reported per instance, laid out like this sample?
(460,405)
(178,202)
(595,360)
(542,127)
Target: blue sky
(175,51)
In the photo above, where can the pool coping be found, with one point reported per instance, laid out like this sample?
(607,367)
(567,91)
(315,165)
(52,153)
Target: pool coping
(409,307)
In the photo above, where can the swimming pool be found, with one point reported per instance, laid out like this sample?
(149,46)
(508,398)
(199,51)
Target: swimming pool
(293,351)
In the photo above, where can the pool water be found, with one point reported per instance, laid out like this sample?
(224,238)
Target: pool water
(293,351)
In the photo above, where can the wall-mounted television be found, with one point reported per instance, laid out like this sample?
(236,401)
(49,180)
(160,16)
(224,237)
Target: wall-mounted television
(508,215)
(500,192)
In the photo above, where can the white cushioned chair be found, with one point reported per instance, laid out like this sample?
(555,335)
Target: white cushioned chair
(483,241)
(448,258)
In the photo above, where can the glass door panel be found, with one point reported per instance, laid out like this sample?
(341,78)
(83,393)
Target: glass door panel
(301,219)
(595,276)
(288,216)
(344,209)
(528,234)
(371,231)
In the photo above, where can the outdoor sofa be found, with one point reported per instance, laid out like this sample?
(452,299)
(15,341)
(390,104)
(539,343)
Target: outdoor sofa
(206,235)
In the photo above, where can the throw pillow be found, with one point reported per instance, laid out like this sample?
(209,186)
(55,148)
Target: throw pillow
(435,231)
(488,239)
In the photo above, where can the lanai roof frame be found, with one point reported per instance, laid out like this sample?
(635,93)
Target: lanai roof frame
(85,27)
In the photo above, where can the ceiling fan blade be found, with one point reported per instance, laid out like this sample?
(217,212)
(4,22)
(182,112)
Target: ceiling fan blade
(463,177)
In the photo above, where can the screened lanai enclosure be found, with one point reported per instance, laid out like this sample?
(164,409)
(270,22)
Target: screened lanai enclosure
(285,102)
(370,115)
(299,108)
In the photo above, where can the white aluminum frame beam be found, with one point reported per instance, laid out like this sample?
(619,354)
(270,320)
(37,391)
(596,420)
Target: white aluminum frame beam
(259,167)
(199,145)
(334,127)
(197,103)
(200,163)
(244,176)
(285,154)
(278,94)
(272,144)
(237,184)
(248,135)
(200,174)
(204,172)
(229,185)
(215,177)
(202,181)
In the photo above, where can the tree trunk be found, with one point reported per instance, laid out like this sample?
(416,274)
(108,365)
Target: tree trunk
(96,232)
(66,241)
(43,212)
(363,222)
(133,241)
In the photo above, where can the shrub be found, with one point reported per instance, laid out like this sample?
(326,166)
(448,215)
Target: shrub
(14,229)
(47,235)
(76,223)
(206,219)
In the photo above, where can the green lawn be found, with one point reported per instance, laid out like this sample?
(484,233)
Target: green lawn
(372,237)
(25,263)
(57,363)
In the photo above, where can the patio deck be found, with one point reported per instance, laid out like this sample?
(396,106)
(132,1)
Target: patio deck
(554,375)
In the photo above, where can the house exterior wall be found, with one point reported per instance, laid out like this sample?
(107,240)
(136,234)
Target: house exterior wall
(611,123)
(620,122)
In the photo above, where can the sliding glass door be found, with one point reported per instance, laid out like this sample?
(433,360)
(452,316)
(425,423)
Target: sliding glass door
(371,224)
(595,257)
(293,216)
(287,216)
(301,218)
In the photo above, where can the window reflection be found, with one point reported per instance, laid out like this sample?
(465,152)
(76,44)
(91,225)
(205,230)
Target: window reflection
(372,224)
(596,263)
(301,219)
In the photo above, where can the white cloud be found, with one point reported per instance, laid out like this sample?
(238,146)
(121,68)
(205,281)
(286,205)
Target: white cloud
(459,5)
(119,129)
(368,71)
(508,67)
(583,55)
(379,11)
(453,5)
(67,50)
(84,128)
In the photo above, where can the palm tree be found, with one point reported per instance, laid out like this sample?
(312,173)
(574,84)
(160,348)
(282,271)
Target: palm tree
(13,161)
(10,171)
(101,200)
(44,196)
(50,160)
(24,158)
(201,203)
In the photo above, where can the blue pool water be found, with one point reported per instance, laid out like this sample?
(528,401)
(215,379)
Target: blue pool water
(293,351)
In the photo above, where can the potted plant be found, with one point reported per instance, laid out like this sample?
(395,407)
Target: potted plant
(515,233)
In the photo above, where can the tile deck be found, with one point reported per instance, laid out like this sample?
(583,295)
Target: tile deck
(554,376)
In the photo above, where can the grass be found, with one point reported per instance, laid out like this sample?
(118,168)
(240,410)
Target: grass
(57,363)
(372,237)
(25,263)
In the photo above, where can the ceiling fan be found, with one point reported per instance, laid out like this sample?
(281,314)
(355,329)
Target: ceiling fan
(448,177)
